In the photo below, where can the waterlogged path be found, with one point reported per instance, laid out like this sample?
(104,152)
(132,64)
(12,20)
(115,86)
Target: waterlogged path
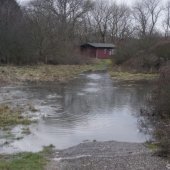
(92,107)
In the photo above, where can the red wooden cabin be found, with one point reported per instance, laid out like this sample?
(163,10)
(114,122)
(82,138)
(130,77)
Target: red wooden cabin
(98,50)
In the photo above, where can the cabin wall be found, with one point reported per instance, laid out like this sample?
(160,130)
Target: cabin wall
(104,53)
(89,52)
(100,53)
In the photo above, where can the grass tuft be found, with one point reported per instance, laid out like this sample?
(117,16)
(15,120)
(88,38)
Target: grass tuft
(152,146)
(10,116)
(126,76)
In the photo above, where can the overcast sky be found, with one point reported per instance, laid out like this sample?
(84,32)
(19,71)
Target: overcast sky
(119,1)
(129,2)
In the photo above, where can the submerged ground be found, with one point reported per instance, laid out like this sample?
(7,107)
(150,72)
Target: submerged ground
(91,107)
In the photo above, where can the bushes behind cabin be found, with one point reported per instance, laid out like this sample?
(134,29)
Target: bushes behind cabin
(143,55)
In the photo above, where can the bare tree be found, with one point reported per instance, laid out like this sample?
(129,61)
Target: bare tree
(166,21)
(85,29)
(11,42)
(141,15)
(69,12)
(154,10)
(146,14)
(101,16)
(39,19)
(55,26)
(120,22)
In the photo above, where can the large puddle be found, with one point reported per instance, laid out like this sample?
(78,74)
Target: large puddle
(91,107)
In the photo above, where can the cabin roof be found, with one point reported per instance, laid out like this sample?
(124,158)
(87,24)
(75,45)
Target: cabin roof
(99,45)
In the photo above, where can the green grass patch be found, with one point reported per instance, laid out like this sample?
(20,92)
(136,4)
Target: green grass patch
(103,64)
(10,116)
(26,161)
(23,161)
(126,76)
(152,146)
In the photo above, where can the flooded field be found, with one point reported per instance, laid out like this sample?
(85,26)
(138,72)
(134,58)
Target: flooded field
(92,107)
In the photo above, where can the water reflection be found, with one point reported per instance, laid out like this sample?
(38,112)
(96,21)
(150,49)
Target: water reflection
(91,107)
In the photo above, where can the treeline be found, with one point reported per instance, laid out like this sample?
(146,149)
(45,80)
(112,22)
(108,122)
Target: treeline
(50,31)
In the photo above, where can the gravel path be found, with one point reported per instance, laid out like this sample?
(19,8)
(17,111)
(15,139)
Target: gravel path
(106,156)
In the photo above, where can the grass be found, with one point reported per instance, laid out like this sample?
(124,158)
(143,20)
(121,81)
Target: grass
(61,73)
(152,146)
(64,73)
(23,161)
(26,161)
(103,64)
(126,76)
(10,116)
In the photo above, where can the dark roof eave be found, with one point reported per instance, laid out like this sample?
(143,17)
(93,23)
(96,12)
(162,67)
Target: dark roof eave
(99,45)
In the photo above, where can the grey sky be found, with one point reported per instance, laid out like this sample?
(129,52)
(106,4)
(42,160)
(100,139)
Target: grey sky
(22,1)
(129,2)
(119,1)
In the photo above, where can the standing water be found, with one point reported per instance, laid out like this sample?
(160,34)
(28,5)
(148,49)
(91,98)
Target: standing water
(92,107)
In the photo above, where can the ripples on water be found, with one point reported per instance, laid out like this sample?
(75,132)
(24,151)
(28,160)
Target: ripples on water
(89,108)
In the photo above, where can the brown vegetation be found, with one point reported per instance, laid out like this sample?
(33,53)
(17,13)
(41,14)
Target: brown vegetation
(158,113)
(11,116)
(45,73)
(147,55)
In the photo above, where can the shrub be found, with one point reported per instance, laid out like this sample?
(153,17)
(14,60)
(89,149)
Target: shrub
(162,50)
(158,113)
(142,55)
(125,51)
